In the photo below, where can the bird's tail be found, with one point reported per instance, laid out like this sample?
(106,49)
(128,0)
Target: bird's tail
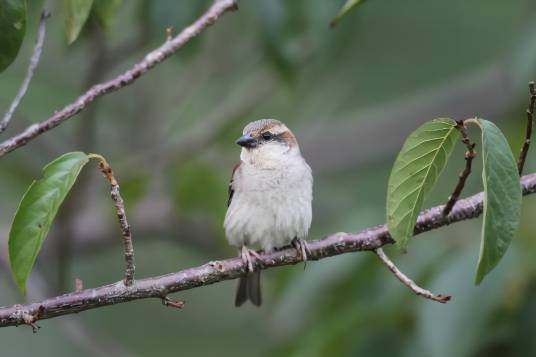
(249,288)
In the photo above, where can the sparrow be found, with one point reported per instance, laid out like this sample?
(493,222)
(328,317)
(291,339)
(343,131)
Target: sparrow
(269,203)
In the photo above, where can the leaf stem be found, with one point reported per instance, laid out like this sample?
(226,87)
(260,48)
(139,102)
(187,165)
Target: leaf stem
(472,121)
(106,170)
(462,178)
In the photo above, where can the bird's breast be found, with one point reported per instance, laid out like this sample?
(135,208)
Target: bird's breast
(270,207)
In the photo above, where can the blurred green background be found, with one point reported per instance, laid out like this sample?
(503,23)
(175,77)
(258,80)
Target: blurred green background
(351,95)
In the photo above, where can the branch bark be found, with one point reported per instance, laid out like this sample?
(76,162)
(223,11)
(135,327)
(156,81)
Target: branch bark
(528,131)
(407,281)
(153,58)
(216,271)
(119,204)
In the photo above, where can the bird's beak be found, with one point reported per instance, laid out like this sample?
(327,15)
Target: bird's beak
(247,141)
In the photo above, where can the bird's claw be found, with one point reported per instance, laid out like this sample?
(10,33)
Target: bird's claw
(301,249)
(246,255)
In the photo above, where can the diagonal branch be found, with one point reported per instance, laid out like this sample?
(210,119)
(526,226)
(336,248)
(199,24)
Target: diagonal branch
(216,271)
(469,156)
(407,281)
(153,58)
(34,61)
(528,132)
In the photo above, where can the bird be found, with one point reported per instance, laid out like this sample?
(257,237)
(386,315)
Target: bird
(269,200)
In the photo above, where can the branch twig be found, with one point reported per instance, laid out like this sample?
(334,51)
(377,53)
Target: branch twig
(177,304)
(106,170)
(151,59)
(34,61)
(469,156)
(216,271)
(407,281)
(528,133)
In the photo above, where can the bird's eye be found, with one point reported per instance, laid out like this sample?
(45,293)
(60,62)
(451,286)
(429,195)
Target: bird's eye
(267,135)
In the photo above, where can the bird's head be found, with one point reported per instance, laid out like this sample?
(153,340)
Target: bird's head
(267,141)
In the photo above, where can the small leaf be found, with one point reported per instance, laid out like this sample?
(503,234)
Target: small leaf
(417,167)
(37,210)
(12,30)
(76,14)
(502,198)
(349,5)
(105,10)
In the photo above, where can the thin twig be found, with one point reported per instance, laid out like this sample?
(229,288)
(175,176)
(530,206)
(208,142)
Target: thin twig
(407,281)
(137,70)
(177,304)
(106,170)
(469,156)
(214,272)
(34,61)
(78,285)
(528,132)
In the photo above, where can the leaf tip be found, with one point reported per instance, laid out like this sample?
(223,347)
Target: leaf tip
(479,277)
(22,289)
(20,281)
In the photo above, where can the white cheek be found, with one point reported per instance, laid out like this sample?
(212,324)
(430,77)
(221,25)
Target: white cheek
(273,150)
(264,155)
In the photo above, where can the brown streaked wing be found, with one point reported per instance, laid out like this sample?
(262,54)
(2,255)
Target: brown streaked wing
(231,189)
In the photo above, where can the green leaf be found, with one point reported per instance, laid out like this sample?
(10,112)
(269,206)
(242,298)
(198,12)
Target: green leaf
(417,167)
(502,198)
(37,210)
(76,14)
(106,10)
(349,5)
(12,30)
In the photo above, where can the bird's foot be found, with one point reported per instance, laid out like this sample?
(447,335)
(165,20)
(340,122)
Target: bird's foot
(301,249)
(247,256)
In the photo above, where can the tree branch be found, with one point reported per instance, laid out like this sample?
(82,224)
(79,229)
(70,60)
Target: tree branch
(106,170)
(407,281)
(528,132)
(153,58)
(34,61)
(216,271)
(469,156)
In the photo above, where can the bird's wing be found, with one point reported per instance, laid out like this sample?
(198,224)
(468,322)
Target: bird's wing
(231,188)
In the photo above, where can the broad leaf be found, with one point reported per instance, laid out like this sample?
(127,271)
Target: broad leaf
(37,210)
(12,30)
(76,14)
(349,5)
(106,10)
(417,167)
(502,198)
